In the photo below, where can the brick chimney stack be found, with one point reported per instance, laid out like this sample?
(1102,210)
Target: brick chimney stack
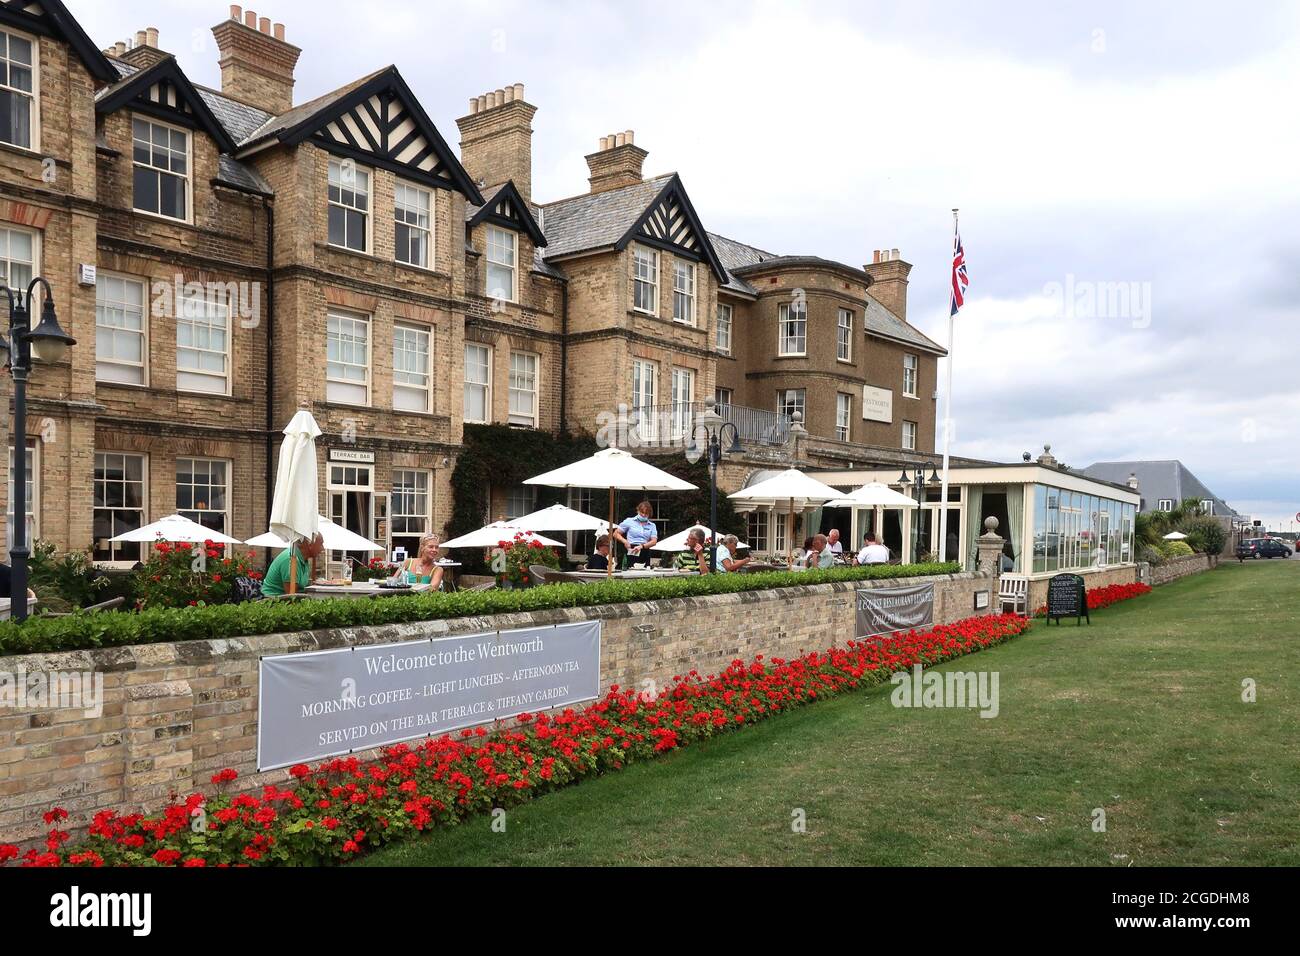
(617,163)
(496,139)
(889,275)
(256,63)
(144,52)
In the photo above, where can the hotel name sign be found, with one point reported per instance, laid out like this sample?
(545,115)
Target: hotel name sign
(877,404)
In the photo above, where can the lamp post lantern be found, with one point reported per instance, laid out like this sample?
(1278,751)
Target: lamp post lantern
(711,432)
(918,484)
(45,343)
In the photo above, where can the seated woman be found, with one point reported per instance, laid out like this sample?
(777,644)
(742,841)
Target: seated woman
(424,567)
(599,559)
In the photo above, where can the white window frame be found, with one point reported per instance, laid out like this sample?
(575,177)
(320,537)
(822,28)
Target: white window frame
(115,549)
(1165,504)
(723,397)
(844,336)
(645,388)
(682,398)
(722,336)
(211,307)
(362,185)
(493,246)
(1207,506)
(403,209)
(791,400)
(402,489)
(645,278)
(910,434)
(757,526)
(684,281)
(228,465)
(843,416)
(33,496)
(33,95)
(102,285)
(518,382)
(188,178)
(520,500)
(355,320)
(406,380)
(7,260)
(485,385)
(792,329)
(911,375)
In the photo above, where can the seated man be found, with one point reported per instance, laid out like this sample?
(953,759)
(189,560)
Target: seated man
(276,581)
(696,555)
(599,559)
(726,549)
(825,557)
(873,552)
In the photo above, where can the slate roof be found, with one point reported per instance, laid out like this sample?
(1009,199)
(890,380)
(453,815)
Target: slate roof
(596,220)
(881,322)
(275,124)
(1159,479)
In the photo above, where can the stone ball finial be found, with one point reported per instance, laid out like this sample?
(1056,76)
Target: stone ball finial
(797,418)
(1047,449)
(990,525)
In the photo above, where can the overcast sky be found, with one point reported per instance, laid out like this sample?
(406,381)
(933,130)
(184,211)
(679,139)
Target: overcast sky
(1126,173)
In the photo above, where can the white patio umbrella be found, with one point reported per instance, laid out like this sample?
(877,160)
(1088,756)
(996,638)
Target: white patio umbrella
(873,495)
(617,470)
(176,528)
(561,518)
(492,535)
(1175,536)
(678,541)
(295,513)
(335,537)
(785,492)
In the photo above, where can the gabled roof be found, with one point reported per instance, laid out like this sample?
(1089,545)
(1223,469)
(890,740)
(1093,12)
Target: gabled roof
(504,206)
(655,212)
(1169,479)
(51,18)
(162,90)
(378,121)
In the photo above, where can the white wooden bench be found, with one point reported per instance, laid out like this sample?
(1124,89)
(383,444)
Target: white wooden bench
(1013,589)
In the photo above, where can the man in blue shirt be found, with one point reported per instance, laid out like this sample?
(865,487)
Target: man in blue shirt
(638,534)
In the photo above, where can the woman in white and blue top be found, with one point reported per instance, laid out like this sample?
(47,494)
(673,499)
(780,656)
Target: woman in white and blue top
(638,534)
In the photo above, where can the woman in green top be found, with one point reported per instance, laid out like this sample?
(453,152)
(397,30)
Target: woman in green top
(424,568)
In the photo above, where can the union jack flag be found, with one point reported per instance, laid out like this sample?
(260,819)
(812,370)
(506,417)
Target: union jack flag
(959,278)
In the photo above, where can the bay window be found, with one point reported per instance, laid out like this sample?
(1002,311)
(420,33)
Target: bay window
(792,320)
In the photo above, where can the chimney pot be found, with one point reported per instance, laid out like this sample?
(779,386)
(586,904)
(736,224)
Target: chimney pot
(620,139)
(629,137)
(482,102)
(264,25)
(473,105)
(140,37)
(510,94)
(256,68)
(519,91)
(250,19)
(151,37)
(119,47)
(604,143)
(236,11)
(277,31)
(895,254)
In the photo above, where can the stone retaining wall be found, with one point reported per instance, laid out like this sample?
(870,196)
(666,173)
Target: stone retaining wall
(1176,568)
(175,714)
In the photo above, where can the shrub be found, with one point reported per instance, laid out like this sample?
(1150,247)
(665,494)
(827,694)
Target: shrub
(345,807)
(159,624)
(185,574)
(517,556)
(1176,549)
(1205,535)
(69,580)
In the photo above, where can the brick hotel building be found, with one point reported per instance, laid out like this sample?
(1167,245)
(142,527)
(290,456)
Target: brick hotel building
(224,258)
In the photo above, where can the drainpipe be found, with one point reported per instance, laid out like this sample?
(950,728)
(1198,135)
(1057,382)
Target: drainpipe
(564,357)
(270,353)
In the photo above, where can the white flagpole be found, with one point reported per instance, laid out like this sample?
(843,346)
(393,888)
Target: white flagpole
(947,416)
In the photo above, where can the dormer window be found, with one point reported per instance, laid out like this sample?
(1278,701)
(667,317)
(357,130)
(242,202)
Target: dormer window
(349,200)
(161,156)
(17,104)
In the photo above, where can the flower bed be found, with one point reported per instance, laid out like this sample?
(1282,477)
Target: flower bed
(1099,598)
(164,624)
(344,807)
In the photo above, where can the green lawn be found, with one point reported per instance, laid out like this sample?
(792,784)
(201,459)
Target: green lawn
(1141,714)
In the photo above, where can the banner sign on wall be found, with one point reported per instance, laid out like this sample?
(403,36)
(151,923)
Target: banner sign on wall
(877,404)
(328,703)
(885,610)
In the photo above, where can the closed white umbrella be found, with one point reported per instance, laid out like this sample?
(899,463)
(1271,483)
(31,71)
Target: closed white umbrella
(616,470)
(335,538)
(295,513)
(561,518)
(678,541)
(788,491)
(493,534)
(1175,536)
(873,495)
(176,528)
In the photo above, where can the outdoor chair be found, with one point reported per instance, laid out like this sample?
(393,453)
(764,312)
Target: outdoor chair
(537,573)
(1013,589)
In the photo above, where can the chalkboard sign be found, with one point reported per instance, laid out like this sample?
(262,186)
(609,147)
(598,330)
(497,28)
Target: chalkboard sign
(1067,597)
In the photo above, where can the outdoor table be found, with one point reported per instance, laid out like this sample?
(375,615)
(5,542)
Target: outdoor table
(359,590)
(4,607)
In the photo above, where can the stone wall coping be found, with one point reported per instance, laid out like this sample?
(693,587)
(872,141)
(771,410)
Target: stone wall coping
(222,650)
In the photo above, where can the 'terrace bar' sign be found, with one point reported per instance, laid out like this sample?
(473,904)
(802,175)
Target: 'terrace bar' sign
(327,703)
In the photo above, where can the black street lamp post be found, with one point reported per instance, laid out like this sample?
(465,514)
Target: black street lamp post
(918,483)
(46,343)
(715,431)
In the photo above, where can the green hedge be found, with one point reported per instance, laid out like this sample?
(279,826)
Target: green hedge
(159,625)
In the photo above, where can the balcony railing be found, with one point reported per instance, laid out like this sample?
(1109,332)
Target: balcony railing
(671,426)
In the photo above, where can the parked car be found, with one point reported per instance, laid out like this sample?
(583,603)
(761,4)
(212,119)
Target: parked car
(1262,548)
